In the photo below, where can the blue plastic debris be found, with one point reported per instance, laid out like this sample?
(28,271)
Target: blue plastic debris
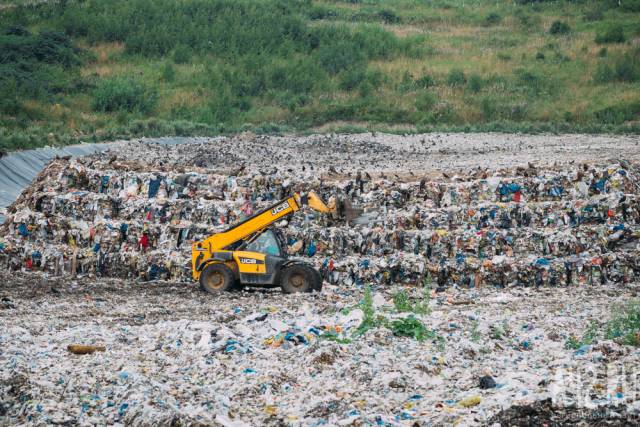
(122,409)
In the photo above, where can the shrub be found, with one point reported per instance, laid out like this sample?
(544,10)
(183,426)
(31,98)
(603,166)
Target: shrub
(372,80)
(588,338)
(492,19)
(441,113)
(375,42)
(532,81)
(182,55)
(540,56)
(625,69)
(340,56)
(559,28)
(560,57)
(123,94)
(456,77)
(49,47)
(593,15)
(613,34)
(297,76)
(415,47)
(488,108)
(425,82)
(425,101)
(618,114)
(627,6)
(527,20)
(320,12)
(604,74)
(38,65)
(168,73)
(603,52)
(388,16)
(568,116)
(9,103)
(493,110)
(503,56)
(369,320)
(407,84)
(475,83)
(351,79)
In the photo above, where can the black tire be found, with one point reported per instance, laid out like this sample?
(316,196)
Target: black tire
(217,278)
(300,278)
(317,284)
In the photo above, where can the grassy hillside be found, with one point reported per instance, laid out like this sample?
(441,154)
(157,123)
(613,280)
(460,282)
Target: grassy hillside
(95,70)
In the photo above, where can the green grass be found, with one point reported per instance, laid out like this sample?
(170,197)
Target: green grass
(625,324)
(623,327)
(91,70)
(588,337)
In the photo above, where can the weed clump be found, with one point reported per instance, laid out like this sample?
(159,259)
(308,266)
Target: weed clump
(411,327)
(404,304)
(369,320)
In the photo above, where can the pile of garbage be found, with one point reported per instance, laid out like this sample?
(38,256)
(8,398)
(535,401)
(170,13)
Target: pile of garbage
(99,323)
(134,213)
(168,353)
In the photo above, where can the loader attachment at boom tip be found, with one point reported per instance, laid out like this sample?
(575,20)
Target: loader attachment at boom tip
(314,201)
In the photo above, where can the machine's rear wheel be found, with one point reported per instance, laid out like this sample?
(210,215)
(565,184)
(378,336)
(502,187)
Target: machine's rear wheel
(300,278)
(217,278)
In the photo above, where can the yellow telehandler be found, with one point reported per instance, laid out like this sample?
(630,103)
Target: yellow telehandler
(253,252)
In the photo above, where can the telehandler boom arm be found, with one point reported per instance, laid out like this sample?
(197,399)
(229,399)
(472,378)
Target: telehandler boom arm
(262,220)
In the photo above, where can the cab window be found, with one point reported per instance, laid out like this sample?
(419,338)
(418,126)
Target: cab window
(266,243)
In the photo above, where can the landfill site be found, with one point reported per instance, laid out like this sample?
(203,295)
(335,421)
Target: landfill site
(465,280)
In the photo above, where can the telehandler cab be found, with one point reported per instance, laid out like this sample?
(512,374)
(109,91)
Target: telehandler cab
(253,252)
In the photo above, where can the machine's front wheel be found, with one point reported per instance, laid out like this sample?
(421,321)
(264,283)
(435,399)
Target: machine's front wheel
(300,278)
(217,278)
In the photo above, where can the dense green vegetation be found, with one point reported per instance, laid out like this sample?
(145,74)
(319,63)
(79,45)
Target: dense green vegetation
(95,70)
